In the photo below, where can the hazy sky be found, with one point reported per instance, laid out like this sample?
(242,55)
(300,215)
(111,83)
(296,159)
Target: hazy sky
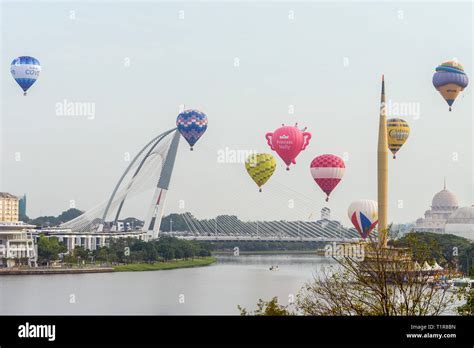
(136,62)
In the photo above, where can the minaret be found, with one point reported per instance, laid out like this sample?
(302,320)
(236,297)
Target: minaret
(382,170)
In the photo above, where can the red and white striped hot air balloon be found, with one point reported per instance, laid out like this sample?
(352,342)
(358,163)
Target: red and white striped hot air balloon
(327,171)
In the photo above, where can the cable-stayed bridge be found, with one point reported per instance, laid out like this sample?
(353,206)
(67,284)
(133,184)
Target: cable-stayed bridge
(227,227)
(151,171)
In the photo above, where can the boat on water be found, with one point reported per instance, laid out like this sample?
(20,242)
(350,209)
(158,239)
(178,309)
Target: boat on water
(274,268)
(463,281)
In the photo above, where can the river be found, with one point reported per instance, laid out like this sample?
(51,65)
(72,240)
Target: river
(215,289)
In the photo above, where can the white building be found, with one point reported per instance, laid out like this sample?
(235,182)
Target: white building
(16,245)
(444,204)
(445,216)
(461,223)
(86,240)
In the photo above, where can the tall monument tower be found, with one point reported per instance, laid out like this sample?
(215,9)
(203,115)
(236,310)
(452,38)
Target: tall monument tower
(382,170)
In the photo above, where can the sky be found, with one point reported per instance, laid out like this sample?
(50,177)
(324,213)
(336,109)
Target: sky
(250,66)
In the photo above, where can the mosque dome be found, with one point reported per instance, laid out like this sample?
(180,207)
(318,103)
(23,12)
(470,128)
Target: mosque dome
(444,199)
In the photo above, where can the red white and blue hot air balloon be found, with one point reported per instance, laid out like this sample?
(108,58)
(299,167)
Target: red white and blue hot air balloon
(288,142)
(191,124)
(327,171)
(364,216)
(25,70)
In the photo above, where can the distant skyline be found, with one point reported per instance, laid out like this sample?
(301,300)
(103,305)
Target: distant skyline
(250,67)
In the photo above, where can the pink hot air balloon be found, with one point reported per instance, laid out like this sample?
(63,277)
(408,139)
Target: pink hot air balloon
(327,171)
(288,142)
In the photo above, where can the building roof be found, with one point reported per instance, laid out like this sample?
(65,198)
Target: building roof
(444,199)
(464,215)
(7,195)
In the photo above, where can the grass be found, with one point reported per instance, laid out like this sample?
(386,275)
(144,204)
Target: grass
(139,267)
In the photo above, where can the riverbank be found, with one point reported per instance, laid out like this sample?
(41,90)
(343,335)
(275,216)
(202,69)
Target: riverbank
(158,266)
(58,270)
(267,252)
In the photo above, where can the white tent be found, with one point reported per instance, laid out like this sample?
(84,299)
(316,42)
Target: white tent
(426,267)
(417,266)
(437,267)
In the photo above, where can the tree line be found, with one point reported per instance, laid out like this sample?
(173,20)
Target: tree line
(122,250)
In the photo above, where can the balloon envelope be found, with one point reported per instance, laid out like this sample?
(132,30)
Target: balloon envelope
(398,131)
(25,70)
(450,79)
(364,216)
(260,167)
(327,171)
(288,142)
(191,124)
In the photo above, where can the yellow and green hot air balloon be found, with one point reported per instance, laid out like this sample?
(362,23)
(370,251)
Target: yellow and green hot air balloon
(397,133)
(260,167)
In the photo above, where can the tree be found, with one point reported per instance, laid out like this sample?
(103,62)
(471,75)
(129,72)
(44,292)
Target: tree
(101,254)
(69,214)
(49,249)
(45,221)
(383,282)
(446,249)
(377,281)
(271,307)
(468,307)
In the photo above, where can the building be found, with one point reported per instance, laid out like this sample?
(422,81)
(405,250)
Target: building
(326,213)
(461,223)
(86,240)
(444,204)
(16,243)
(445,216)
(22,207)
(8,207)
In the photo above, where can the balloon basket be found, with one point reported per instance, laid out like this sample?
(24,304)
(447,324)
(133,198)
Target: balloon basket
(191,149)
(260,190)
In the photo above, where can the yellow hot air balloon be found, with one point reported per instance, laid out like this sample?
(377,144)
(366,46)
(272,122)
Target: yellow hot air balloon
(260,167)
(397,133)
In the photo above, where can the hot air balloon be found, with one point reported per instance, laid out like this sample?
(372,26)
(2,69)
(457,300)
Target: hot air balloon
(398,131)
(450,79)
(25,70)
(327,172)
(364,216)
(260,167)
(288,142)
(191,124)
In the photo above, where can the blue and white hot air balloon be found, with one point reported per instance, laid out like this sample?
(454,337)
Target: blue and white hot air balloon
(25,70)
(191,124)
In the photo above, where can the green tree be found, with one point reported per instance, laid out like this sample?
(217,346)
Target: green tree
(271,307)
(49,249)
(468,307)
(69,214)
